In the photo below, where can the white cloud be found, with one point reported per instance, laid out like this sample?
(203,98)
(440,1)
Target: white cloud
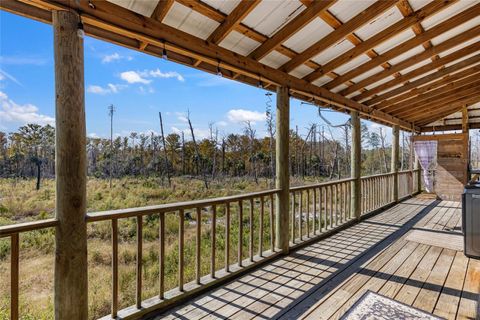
(146,75)
(222,123)
(181,116)
(133,77)
(111,88)
(114,57)
(170,74)
(11,112)
(199,133)
(242,115)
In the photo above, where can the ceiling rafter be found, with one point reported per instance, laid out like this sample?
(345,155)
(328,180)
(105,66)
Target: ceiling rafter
(117,19)
(423,98)
(406,46)
(438,109)
(296,24)
(162,9)
(447,96)
(437,115)
(406,10)
(233,20)
(375,40)
(449,127)
(216,15)
(446,45)
(347,28)
(426,79)
(419,71)
(427,88)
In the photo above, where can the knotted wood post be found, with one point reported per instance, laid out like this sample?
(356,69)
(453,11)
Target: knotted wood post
(71,284)
(282,178)
(355,160)
(395,158)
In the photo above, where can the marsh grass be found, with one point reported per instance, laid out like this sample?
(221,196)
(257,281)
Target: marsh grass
(20,202)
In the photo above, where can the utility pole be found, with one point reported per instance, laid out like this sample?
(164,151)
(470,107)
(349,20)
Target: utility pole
(111,110)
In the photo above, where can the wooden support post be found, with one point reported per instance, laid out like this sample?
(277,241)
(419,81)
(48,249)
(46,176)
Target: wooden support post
(419,173)
(395,158)
(71,281)
(355,160)
(466,149)
(282,177)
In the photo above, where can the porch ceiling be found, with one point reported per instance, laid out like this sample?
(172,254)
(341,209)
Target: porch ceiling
(405,62)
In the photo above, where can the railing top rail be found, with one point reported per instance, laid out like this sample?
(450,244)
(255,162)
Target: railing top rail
(322,184)
(169,207)
(6,231)
(378,175)
(407,171)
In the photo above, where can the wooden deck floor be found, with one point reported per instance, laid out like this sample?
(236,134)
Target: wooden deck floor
(323,280)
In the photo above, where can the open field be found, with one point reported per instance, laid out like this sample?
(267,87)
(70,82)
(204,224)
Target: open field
(20,202)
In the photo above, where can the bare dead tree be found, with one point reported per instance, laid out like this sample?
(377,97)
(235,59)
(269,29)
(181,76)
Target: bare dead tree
(197,151)
(382,142)
(271,133)
(167,167)
(250,133)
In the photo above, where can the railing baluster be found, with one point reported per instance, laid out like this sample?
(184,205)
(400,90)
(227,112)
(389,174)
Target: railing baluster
(308,213)
(227,236)
(272,224)
(161,261)
(198,245)
(240,232)
(336,204)
(314,227)
(14,278)
(214,238)
(139,260)
(114,268)
(251,229)
(325,210)
(260,231)
(300,216)
(293,216)
(181,249)
(330,189)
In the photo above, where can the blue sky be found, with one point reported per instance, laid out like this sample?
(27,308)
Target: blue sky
(138,85)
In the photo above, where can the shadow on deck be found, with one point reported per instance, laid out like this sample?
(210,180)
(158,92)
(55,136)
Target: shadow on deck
(324,279)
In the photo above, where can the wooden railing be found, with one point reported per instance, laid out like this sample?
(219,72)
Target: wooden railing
(377,191)
(318,208)
(244,222)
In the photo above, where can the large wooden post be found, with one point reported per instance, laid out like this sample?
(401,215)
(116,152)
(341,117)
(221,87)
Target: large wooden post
(419,172)
(395,158)
(355,161)
(71,298)
(282,180)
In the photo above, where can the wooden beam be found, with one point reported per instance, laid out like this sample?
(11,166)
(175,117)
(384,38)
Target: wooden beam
(447,136)
(447,97)
(406,10)
(71,275)
(442,110)
(451,89)
(233,20)
(297,23)
(282,177)
(355,169)
(161,9)
(428,53)
(407,45)
(465,119)
(450,127)
(426,79)
(350,26)
(447,80)
(379,38)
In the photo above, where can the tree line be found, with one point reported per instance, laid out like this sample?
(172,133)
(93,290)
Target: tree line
(30,152)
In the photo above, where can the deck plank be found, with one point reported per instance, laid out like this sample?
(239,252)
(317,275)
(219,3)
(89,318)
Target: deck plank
(324,279)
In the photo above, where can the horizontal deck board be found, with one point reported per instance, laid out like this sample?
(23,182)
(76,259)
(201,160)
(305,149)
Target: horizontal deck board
(324,279)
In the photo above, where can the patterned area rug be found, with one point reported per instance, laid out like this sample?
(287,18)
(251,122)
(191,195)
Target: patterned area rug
(372,306)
